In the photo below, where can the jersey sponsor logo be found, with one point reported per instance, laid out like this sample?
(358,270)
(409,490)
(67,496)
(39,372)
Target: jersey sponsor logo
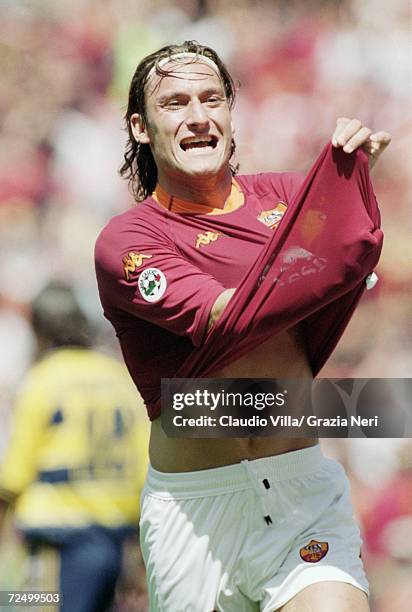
(272,218)
(314,551)
(131,261)
(152,284)
(295,253)
(205,239)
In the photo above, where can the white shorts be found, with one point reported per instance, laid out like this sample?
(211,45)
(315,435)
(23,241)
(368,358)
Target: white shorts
(249,536)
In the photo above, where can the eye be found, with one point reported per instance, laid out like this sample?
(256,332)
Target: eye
(214,99)
(175,103)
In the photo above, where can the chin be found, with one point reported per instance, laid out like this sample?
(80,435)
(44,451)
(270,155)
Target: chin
(204,171)
(204,168)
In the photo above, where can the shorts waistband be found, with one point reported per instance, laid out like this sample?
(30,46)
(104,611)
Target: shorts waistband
(234,477)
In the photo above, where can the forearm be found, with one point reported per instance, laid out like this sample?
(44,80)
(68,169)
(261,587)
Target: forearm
(219,306)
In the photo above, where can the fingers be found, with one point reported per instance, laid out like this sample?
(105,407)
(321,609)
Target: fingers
(357,140)
(345,129)
(376,144)
(341,124)
(382,138)
(350,134)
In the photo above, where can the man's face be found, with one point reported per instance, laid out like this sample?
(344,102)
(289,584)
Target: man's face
(189,125)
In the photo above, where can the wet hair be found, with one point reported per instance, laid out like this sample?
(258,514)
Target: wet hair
(139,166)
(58,319)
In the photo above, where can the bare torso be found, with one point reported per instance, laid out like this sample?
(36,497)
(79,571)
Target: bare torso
(281,356)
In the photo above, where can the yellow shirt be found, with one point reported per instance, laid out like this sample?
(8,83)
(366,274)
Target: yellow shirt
(78,450)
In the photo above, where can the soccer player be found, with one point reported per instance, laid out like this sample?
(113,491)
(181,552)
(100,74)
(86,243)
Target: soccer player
(77,455)
(226,524)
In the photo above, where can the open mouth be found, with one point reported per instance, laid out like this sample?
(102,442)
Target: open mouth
(199,142)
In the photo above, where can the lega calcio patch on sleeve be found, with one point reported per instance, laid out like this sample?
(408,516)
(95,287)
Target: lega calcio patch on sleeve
(152,284)
(314,551)
(131,261)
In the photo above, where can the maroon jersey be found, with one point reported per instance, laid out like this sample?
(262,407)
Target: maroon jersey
(160,272)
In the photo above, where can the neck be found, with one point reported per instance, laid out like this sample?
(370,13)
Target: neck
(211,190)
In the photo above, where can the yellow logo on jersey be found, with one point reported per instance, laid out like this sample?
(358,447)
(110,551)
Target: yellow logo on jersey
(205,239)
(131,261)
(272,218)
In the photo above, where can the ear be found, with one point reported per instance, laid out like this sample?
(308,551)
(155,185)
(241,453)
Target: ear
(139,129)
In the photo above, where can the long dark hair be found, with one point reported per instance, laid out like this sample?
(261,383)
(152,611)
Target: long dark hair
(58,319)
(139,167)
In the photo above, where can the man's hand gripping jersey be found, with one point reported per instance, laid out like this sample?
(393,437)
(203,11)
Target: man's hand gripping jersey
(313,269)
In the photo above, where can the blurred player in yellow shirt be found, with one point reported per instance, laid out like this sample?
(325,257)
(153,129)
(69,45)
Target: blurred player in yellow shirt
(77,456)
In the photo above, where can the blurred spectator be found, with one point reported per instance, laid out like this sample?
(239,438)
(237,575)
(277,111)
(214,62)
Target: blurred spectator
(388,525)
(388,537)
(77,455)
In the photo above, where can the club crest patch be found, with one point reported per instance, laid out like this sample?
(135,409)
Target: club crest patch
(152,284)
(272,218)
(314,551)
(131,261)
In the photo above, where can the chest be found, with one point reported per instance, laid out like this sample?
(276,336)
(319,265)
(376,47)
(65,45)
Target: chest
(226,245)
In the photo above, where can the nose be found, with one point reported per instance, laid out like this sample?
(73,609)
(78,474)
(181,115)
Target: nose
(197,116)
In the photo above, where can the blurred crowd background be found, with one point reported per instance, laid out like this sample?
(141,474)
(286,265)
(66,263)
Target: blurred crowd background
(65,71)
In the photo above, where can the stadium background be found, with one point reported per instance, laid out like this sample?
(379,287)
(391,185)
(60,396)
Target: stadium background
(65,71)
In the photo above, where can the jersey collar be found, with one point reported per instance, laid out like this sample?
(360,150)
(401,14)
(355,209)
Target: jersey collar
(234,201)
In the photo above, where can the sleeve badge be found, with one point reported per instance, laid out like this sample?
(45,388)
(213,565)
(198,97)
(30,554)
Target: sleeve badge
(152,284)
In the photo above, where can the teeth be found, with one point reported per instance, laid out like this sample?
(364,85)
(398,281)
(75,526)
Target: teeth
(196,140)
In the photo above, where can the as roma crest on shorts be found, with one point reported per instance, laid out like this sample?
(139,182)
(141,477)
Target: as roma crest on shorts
(272,218)
(314,551)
